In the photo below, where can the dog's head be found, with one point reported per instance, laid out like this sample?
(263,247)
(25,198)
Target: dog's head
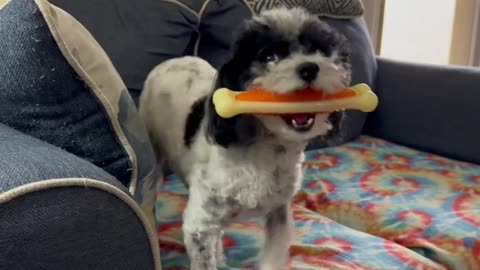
(283,50)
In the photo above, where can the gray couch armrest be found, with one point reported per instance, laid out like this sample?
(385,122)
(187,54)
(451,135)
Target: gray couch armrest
(431,108)
(58,211)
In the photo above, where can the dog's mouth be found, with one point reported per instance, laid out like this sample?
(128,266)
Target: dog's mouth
(300,122)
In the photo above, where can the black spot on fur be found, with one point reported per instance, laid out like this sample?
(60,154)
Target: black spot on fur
(231,202)
(317,35)
(193,121)
(211,202)
(189,82)
(279,149)
(203,174)
(278,216)
(202,242)
(198,241)
(276,173)
(234,214)
(214,207)
(217,202)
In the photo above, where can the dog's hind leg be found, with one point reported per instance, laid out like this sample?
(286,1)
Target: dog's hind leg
(277,242)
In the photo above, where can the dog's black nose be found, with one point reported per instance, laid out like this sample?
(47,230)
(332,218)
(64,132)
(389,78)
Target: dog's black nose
(308,71)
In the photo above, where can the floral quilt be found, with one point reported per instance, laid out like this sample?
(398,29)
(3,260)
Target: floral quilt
(369,204)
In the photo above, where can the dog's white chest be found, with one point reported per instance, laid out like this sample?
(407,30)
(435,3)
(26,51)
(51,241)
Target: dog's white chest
(255,181)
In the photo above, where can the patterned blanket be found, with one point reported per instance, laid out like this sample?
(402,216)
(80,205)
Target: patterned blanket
(369,204)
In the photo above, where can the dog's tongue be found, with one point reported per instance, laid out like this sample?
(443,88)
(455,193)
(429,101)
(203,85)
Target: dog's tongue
(300,118)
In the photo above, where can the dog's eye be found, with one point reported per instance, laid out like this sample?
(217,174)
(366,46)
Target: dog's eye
(271,58)
(268,57)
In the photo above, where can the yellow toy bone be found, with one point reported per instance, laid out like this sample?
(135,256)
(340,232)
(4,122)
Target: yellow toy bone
(258,101)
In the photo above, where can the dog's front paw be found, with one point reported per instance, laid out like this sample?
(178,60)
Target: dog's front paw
(221,261)
(196,265)
(219,255)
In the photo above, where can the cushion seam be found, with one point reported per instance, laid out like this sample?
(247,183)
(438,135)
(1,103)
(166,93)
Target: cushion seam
(200,16)
(64,48)
(183,6)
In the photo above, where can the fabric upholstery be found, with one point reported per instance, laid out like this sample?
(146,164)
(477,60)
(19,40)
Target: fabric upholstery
(328,8)
(60,86)
(53,217)
(428,107)
(72,228)
(26,160)
(42,96)
(149,32)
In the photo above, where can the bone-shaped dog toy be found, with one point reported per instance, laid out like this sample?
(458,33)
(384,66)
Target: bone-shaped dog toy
(260,101)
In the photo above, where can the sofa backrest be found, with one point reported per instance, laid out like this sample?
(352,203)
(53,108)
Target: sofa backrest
(138,35)
(431,108)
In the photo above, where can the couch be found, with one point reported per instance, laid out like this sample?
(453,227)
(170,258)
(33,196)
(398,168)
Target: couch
(401,190)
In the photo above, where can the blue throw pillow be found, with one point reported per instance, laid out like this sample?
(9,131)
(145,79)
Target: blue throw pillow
(58,85)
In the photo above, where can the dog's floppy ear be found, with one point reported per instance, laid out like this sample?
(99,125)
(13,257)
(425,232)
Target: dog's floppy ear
(235,74)
(239,130)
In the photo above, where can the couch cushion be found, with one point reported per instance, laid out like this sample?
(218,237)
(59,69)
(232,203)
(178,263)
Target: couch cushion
(398,207)
(58,211)
(428,107)
(59,86)
(25,160)
(74,223)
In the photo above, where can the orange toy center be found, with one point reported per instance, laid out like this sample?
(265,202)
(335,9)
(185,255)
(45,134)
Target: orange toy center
(304,95)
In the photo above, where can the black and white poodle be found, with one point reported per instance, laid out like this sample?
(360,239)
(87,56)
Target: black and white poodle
(248,165)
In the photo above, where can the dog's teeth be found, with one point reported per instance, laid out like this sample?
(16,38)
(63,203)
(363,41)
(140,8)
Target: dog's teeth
(302,125)
(296,124)
(310,121)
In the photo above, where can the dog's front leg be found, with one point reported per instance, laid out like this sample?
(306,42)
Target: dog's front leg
(201,235)
(277,240)
(220,256)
